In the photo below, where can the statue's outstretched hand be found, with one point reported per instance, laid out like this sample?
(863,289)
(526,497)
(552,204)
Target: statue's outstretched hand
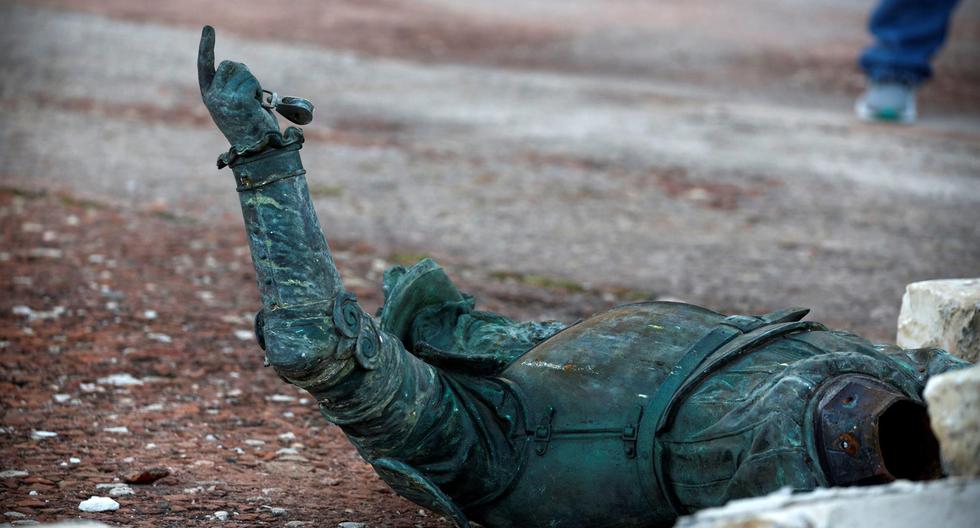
(233,97)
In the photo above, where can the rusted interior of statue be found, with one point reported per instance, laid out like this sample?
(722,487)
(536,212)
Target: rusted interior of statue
(869,433)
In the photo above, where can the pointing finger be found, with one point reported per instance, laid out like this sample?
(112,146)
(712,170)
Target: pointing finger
(205,59)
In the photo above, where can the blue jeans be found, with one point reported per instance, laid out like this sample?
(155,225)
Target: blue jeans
(907,34)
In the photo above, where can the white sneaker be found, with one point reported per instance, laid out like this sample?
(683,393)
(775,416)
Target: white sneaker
(887,101)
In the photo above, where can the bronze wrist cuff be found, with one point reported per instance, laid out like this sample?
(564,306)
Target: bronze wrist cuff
(272,140)
(268,167)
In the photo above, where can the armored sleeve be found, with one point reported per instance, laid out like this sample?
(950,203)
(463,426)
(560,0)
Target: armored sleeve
(398,410)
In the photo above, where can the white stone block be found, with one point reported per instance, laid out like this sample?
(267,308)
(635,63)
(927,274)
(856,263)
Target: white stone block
(953,400)
(950,503)
(942,314)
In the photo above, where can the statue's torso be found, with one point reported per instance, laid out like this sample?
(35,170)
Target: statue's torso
(586,389)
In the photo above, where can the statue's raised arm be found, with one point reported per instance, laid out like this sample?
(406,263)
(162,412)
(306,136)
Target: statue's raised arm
(629,418)
(420,428)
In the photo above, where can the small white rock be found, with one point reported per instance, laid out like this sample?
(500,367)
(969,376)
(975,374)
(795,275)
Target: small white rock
(33,493)
(118,430)
(285,437)
(349,524)
(254,442)
(74,460)
(41,435)
(13,473)
(221,515)
(280,398)
(98,504)
(156,336)
(14,515)
(43,252)
(121,490)
(244,335)
(122,379)
(149,314)
(62,398)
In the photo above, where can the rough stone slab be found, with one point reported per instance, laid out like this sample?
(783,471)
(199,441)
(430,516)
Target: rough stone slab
(954,414)
(942,314)
(951,503)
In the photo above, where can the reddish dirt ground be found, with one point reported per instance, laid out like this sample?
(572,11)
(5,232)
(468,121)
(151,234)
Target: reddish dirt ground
(85,297)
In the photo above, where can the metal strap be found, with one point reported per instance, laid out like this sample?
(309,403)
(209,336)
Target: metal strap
(545,432)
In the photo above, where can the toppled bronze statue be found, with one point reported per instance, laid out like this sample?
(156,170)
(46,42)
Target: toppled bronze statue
(629,418)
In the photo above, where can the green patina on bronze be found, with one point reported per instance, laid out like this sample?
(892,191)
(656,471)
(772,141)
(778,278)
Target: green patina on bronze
(629,418)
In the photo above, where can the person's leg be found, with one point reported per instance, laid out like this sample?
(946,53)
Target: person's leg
(907,35)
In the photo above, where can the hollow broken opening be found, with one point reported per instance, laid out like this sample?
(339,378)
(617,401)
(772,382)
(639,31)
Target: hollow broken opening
(909,449)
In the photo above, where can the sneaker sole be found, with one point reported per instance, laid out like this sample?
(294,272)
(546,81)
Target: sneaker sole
(865,113)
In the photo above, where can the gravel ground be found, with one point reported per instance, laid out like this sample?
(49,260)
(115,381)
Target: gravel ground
(104,345)
(556,157)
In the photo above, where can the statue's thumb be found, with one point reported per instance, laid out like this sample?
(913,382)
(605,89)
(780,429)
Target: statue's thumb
(205,59)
